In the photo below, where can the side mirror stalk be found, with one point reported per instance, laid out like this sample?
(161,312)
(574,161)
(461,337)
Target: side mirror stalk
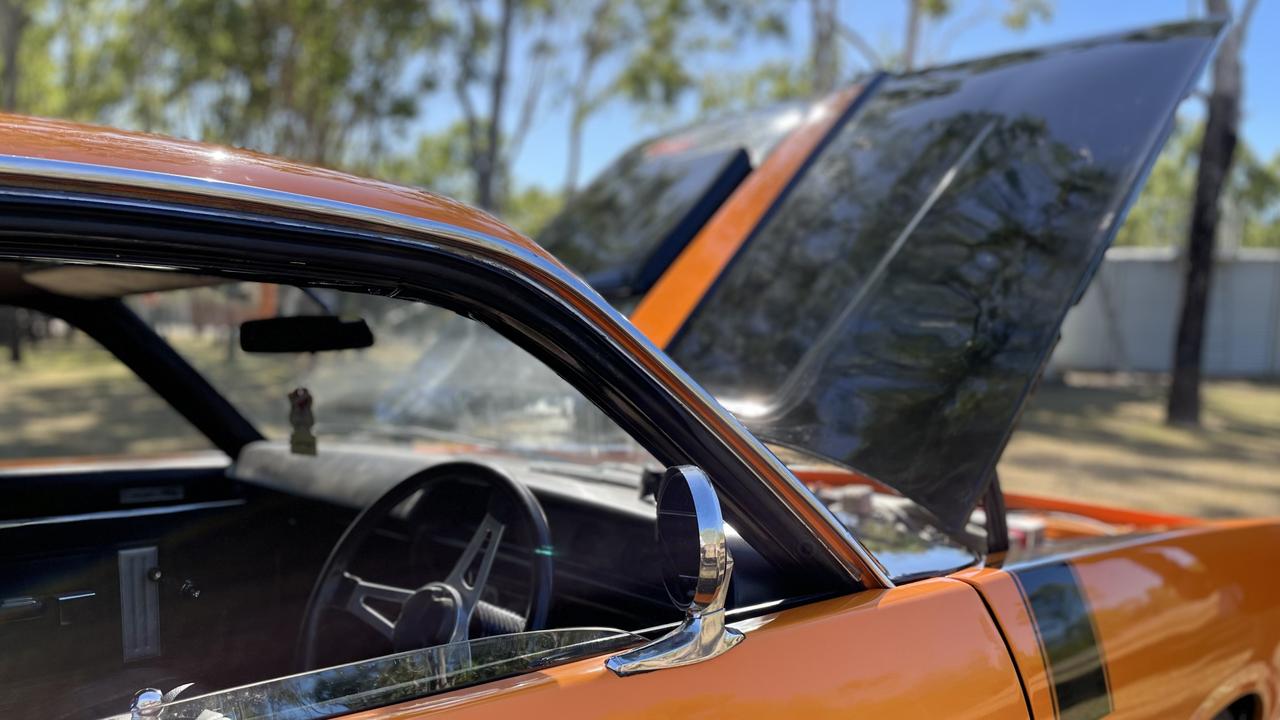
(687,504)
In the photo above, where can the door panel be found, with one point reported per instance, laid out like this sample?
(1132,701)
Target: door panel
(928,649)
(83,625)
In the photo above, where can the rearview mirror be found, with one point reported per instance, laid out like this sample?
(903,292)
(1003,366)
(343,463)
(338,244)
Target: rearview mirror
(697,571)
(304,333)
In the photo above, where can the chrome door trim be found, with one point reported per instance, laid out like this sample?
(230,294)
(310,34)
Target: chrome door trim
(470,242)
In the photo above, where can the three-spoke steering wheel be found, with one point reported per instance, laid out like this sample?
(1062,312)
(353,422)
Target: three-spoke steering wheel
(439,611)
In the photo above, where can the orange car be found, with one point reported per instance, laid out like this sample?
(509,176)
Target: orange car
(445,478)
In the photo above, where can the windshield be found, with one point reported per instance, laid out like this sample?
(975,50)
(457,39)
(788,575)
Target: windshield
(431,379)
(622,230)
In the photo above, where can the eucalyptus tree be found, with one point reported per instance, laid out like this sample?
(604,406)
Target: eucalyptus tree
(327,82)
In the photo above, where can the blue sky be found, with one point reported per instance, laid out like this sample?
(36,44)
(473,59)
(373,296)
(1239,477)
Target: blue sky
(973,30)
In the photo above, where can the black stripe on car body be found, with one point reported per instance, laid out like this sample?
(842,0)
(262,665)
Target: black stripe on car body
(1068,640)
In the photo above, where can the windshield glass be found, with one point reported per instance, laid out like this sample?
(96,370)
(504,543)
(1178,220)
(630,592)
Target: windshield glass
(622,230)
(430,379)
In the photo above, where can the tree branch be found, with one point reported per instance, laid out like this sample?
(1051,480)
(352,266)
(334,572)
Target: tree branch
(859,43)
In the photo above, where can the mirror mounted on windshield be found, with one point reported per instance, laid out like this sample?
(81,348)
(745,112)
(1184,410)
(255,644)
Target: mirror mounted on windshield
(304,333)
(697,570)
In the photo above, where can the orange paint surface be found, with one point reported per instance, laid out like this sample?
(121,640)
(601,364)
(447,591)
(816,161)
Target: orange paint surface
(71,142)
(827,475)
(926,650)
(1118,516)
(1001,593)
(663,311)
(1188,621)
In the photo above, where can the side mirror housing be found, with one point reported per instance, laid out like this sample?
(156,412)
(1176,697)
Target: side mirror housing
(698,568)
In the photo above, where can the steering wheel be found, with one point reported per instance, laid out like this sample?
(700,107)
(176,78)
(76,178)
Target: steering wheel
(439,611)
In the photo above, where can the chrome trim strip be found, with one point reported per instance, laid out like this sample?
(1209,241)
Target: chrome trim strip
(151,180)
(122,514)
(105,175)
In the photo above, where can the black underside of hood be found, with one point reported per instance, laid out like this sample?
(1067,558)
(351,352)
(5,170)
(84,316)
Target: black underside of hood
(894,310)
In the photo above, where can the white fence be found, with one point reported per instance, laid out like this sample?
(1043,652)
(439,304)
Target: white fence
(1128,318)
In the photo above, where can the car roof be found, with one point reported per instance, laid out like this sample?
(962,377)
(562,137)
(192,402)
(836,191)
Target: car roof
(102,147)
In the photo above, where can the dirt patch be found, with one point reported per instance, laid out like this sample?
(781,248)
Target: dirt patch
(1102,438)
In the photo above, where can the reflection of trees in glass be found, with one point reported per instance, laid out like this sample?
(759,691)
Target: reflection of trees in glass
(908,361)
(405,676)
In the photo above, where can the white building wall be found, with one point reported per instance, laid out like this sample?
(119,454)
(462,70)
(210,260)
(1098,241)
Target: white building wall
(1127,320)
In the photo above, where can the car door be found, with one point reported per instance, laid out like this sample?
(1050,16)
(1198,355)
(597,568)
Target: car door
(926,650)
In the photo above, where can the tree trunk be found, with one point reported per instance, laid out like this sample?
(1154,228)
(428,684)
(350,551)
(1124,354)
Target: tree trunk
(1217,151)
(488,173)
(913,35)
(574,160)
(824,58)
(13,23)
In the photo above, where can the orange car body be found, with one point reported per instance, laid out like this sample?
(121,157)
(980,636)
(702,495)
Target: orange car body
(1182,615)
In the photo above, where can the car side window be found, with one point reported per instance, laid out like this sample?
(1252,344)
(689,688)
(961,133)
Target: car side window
(63,397)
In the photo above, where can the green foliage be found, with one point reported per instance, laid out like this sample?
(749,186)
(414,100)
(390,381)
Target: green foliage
(775,81)
(530,209)
(438,163)
(1159,217)
(66,56)
(316,80)
(1251,199)
(1021,13)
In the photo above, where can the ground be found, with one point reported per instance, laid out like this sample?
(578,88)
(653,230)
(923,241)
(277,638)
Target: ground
(1096,438)
(1102,438)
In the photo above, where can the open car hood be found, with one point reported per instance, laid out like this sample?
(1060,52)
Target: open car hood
(894,310)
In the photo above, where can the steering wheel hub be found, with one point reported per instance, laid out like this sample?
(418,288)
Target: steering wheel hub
(431,616)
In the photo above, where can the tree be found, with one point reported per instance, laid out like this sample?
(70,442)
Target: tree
(651,47)
(319,81)
(15,17)
(1158,217)
(1252,194)
(484,37)
(831,36)
(1217,152)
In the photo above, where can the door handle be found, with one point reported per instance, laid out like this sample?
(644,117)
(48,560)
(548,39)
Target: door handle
(20,608)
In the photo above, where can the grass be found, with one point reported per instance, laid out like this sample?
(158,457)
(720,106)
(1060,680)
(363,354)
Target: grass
(70,397)
(1096,438)
(1103,438)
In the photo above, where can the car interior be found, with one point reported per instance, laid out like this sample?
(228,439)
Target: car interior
(172,517)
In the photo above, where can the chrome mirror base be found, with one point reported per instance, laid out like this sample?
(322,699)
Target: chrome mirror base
(697,639)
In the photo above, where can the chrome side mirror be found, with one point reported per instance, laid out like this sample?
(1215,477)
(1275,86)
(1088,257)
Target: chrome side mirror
(150,702)
(698,567)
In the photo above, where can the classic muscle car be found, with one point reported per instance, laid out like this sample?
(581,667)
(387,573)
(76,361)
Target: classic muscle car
(447,478)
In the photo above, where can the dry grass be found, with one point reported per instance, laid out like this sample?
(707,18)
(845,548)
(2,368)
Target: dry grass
(1103,439)
(70,397)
